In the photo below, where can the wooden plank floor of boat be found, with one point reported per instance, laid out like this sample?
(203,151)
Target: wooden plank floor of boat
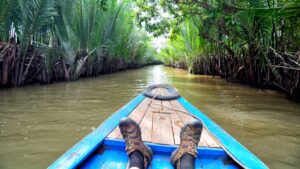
(161,121)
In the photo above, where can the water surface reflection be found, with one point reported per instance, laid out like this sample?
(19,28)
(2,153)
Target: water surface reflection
(39,123)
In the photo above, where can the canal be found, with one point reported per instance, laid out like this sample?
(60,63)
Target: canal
(38,123)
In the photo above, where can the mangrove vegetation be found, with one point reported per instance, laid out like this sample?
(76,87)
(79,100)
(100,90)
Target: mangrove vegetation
(256,42)
(53,40)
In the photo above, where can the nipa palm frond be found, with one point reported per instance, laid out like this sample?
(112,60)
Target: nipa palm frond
(35,15)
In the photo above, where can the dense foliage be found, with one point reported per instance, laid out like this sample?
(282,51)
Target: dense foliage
(256,42)
(251,41)
(48,40)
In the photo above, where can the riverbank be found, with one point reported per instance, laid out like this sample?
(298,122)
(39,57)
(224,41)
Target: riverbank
(65,40)
(257,43)
(284,80)
(36,67)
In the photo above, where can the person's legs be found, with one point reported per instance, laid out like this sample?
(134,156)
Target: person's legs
(187,161)
(184,156)
(139,154)
(136,159)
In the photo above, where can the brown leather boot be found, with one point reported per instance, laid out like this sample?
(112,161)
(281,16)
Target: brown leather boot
(189,139)
(131,133)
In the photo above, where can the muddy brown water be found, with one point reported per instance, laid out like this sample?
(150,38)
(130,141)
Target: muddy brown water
(39,123)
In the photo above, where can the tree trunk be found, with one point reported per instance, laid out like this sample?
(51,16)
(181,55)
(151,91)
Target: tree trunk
(24,76)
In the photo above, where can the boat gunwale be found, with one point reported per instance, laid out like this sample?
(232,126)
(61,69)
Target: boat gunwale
(235,149)
(86,146)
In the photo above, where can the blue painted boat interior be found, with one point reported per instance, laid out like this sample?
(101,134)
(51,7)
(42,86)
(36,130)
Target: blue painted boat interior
(111,155)
(85,147)
(96,151)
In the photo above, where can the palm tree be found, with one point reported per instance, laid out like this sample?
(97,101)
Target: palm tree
(72,37)
(245,40)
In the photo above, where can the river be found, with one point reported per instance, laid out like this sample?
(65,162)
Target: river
(38,123)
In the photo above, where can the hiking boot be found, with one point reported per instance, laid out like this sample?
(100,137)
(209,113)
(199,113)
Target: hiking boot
(131,133)
(189,139)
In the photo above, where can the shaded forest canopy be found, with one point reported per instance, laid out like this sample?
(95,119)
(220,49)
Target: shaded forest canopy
(256,42)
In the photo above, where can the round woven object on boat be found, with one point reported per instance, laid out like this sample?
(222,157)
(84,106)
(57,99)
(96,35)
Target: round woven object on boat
(173,94)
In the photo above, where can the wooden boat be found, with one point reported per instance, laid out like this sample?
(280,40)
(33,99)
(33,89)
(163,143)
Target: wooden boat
(161,113)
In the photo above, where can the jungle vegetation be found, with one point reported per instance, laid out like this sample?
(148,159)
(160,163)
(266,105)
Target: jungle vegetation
(256,42)
(52,40)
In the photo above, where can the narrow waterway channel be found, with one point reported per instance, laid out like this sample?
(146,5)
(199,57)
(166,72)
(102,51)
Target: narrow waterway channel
(39,123)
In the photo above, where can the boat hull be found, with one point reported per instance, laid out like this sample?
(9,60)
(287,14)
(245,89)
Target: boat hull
(111,154)
(96,150)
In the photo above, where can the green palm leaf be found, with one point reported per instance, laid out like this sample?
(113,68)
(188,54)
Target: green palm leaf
(36,14)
